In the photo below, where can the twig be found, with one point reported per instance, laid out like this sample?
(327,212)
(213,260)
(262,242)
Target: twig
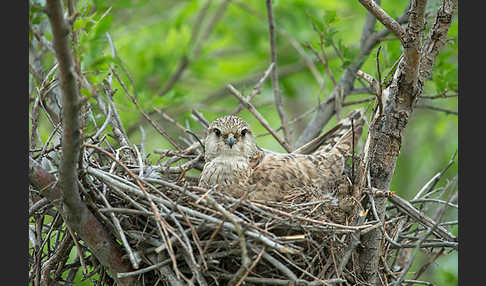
(247,271)
(430,230)
(144,270)
(154,124)
(323,62)
(204,122)
(123,238)
(407,208)
(258,116)
(385,19)
(274,77)
(255,90)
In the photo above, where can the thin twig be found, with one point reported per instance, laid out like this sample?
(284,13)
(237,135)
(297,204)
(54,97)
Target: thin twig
(259,117)
(274,76)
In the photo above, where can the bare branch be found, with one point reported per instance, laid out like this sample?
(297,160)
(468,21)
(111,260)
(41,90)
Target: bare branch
(274,76)
(149,119)
(327,108)
(437,36)
(256,89)
(414,31)
(385,19)
(99,241)
(71,104)
(258,116)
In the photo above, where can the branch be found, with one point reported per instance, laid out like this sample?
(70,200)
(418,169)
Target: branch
(345,85)
(436,108)
(380,14)
(274,76)
(98,240)
(411,45)
(256,89)
(436,38)
(386,135)
(70,111)
(258,116)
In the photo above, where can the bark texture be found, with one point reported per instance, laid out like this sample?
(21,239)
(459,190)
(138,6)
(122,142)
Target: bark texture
(66,193)
(387,129)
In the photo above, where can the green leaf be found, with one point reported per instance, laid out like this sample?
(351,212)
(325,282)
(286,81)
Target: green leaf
(317,24)
(329,17)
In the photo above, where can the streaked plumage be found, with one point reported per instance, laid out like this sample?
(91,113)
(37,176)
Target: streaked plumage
(240,167)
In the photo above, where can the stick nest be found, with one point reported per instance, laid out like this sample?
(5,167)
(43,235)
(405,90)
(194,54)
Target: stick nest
(171,230)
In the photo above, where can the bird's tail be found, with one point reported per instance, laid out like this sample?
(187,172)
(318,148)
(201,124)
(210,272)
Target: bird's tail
(340,138)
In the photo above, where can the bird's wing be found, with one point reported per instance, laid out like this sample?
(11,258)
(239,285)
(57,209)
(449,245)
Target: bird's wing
(339,137)
(293,177)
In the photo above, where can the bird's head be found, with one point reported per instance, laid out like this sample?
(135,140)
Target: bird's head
(229,136)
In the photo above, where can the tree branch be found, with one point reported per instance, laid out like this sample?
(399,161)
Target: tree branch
(345,85)
(437,36)
(386,133)
(274,75)
(380,14)
(70,111)
(99,241)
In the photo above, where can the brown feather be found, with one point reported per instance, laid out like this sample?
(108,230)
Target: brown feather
(246,170)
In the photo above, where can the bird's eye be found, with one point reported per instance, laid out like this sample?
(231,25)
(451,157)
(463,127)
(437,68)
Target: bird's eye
(217,132)
(243,132)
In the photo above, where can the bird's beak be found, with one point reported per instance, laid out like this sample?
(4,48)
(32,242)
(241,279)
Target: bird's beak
(231,140)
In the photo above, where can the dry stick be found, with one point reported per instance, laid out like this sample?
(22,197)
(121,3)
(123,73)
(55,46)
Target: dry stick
(140,185)
(154,124)
(191,261)
(426,221)
(274,77)
(117,182)
(427,264)
(144,270)
(200,118)
(170,119)
(256,89)
(280,266)
(435,179)
(116,123)
(430,230)
(61,252)
(329,224)
(118,227)
(251,267)
(259,117)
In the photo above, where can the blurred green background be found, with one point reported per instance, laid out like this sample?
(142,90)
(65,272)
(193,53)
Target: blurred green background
(152,37)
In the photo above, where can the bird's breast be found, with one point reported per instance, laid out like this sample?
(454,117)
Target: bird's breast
(225,171)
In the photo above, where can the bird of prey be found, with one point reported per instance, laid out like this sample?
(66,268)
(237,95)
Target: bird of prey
(238,167)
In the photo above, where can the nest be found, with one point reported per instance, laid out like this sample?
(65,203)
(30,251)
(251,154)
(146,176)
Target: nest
(171,230)
(200,234)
